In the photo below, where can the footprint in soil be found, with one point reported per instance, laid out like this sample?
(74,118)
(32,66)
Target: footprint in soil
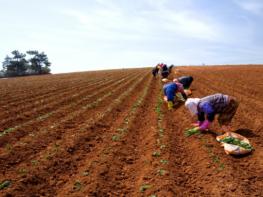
(246,133)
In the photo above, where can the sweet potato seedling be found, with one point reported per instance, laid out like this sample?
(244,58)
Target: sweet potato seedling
(115,138)
(86,173)
(22,171)
(34,162)
(143,188)
(5,184)
(8,147)
(77,186)
(156,154)
(163,161)
(162,172)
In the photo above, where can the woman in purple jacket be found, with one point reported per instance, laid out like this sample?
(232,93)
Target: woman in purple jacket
(206,108)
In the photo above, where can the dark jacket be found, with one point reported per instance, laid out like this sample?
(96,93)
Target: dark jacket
(186,81)
(170,68)
(164,71)
(155,71)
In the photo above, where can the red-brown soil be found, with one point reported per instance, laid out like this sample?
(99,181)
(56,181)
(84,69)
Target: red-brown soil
(108,133)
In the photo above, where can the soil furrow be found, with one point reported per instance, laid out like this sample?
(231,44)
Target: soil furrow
(90,170)
(79,144)
(22,130)
(53,132)
(40,108)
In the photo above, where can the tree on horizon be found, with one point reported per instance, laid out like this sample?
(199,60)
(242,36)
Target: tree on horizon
(18,65)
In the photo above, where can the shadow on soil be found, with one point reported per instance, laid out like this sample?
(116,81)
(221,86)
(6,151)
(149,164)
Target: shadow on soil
(212,133)
(177,105)
(246,132)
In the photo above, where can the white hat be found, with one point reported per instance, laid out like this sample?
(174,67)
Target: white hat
(191,105)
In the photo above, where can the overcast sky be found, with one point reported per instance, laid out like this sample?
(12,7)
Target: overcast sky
(80,35)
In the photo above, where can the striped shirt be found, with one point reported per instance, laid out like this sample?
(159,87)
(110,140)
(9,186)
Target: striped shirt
(211,105)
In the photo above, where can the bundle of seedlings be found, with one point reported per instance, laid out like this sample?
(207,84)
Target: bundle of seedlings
(192,131)
(235,144)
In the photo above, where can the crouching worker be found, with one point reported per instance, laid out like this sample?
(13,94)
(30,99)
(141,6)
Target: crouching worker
(155,70)
(171,90)
(185,80)
(171,68)
(206,108)
(164,71)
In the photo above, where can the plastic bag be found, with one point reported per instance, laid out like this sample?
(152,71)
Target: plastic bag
(234,143)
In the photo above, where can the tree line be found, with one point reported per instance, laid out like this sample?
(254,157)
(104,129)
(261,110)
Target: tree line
(18,65)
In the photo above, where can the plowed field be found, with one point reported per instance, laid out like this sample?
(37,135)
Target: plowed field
(108,133)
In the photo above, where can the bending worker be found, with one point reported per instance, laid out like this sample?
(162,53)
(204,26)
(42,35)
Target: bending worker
(170,90)
(206,108)
(185,80)
(164,71)
(155,70)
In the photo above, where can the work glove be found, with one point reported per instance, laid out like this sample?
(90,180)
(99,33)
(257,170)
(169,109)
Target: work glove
(205,125)
(170,105)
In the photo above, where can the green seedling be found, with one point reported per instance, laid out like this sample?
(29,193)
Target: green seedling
(215,159)
(86,173)
(143,188)
(8,147)
(44,116)
(56,147)
(6,131)
(5,184)
(162,172)
(121,130)
(158,109)
(31,134)
(161,130)
(191,132)
(221,167)
(34,162)
(22,171)
(115,138)
(162,146)
(48,156)
(156,154)
(77,185)
(126,121)
(9,130)
(163,161)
